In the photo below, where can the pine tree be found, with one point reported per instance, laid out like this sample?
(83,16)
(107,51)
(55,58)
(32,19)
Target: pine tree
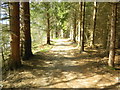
(26,29)
(15,35)
(94,25)
(113,36)
(82,27)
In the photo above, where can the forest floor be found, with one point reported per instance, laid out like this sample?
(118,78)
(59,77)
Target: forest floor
(64,67)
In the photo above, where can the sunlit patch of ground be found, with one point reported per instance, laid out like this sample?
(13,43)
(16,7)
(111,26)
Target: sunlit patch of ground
(64,67)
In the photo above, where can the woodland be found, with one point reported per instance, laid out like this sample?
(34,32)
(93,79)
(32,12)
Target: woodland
(60,45)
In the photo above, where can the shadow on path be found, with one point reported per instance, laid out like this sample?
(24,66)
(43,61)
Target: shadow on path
(64,67)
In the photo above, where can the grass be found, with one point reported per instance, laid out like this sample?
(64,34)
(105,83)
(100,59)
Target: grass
(46,48)
(111,68)
(41,48)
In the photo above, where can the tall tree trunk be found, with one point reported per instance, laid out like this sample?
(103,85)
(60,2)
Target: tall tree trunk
(118,44)
(26,29)
(56,31)
(82,28)
(94,25)
(56,34)
(113,36)
(15,35)
(48,28)
(74,30)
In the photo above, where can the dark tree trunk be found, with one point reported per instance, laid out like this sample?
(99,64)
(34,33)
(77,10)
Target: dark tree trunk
(118,45)
(48,28)
(26,29)
(15,35)
(56,31)
(113,36)
(56,34)
(82,27)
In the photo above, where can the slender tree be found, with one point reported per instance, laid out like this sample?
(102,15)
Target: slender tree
(48,28)
(47,8)
(26,29)
(56,31)
(82,26)
(15,35)
(113,36)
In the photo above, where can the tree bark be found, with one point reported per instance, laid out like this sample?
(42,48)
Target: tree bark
(15,35)
(113,36)
(48,28)
(56,31)
(82,28)
(26,29)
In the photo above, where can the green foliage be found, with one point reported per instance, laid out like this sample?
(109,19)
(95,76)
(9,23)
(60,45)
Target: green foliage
(47,48)
(41,48)
(58,13)
(61,15)
(111,68)
(4,36)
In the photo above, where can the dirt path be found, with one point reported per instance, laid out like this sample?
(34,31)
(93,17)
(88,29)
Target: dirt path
(64,67)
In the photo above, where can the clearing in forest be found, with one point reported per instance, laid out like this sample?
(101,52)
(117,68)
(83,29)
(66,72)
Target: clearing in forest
(64,67)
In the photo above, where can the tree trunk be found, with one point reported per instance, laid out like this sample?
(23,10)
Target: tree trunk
(94,25)
(56,34)
(82,28)
(26,29)
(56,31)
(113,36)
(118,44)
(48,28)
(15,35)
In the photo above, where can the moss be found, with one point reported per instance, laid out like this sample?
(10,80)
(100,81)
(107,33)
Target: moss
(111,68)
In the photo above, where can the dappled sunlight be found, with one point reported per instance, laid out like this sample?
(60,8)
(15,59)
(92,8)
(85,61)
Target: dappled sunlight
(63,67)
(61,40)
(63,48)
(60,44)
(63,45)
